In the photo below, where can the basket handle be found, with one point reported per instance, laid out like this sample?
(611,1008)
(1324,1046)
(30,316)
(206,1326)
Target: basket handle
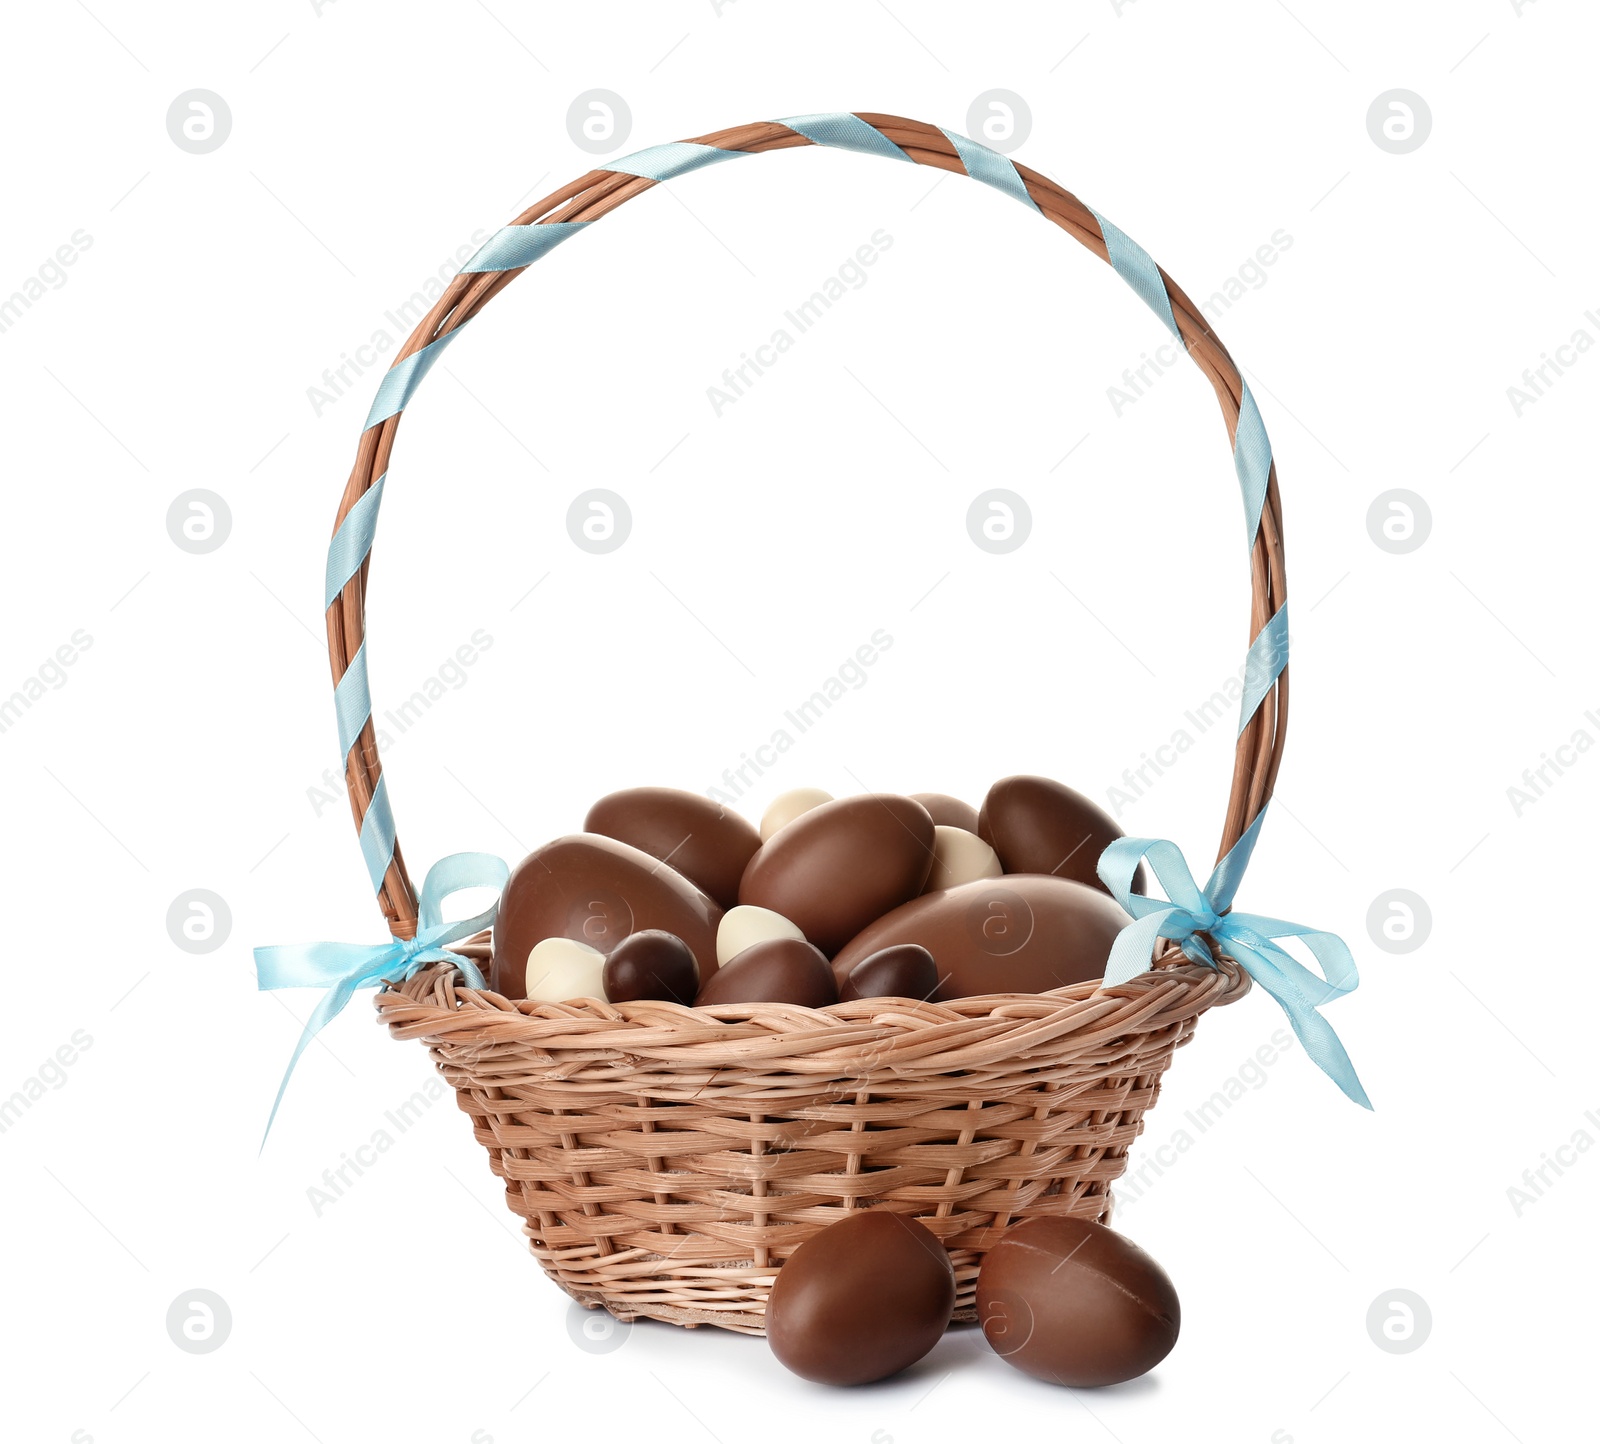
(560,215)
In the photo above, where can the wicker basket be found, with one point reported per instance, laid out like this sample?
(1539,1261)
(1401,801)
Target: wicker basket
(666,1160)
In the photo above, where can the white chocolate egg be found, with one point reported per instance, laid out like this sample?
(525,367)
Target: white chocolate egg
(560,969)
(960,856)
(787,806)
(741,927)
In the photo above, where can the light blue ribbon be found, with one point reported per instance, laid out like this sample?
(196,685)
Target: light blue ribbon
(1188,911)
(990,167)
(342,968)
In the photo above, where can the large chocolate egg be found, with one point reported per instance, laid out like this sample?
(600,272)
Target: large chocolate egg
(703,840)
(1037,825)
(948,811)
(779,970)
(1023,934)
(1073,1303)
(863,1299)
(598,891)
(837,867)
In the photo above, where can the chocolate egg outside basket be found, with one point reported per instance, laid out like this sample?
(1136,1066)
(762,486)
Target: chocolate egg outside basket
(1073,1302)
(863,1299)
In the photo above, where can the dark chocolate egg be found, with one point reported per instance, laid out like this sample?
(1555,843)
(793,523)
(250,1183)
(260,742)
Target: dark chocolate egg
(703,840)
(651,964)
(837,867)
(1071,1302)
(1037,825)
(779,970)
(906,971)
(598,891)
(863,1299)
(1023,934)
(947,811)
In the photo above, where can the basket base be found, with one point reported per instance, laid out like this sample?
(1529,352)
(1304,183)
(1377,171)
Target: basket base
(733,1295)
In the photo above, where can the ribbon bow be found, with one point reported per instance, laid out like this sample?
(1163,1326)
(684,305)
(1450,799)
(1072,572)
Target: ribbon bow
(342,968)
(1188,911)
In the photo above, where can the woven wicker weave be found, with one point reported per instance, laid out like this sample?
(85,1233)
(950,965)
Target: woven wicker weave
(665,1160)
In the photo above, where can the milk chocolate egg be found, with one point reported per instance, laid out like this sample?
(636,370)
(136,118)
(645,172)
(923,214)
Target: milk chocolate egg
(904,971)
(1072,1302)
(651,964)
(1022,934)
(596,890)
(708,843)
(947,811)
(784,808)
(863,1299)
(834,869)
(560,969)
(744,927)
(779,970)
(959,856)
(1036,825)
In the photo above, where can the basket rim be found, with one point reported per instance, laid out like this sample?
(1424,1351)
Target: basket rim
(902,1037)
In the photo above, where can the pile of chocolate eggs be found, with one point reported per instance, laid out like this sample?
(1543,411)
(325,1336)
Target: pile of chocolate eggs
(671,896)
(1063,1299)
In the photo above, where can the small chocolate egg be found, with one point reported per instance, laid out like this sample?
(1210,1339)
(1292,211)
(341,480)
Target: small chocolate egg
(947,811)
(1071,1302)
(784,808)
(861,1300)
(560,969)
(959,856)
(596,890)
(744,927)
(1021,934)
(1036,825)
(651,964)
(705,841)
(837,867)
(906,971)
(779,970)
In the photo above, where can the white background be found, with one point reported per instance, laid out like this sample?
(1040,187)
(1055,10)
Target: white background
(187,745)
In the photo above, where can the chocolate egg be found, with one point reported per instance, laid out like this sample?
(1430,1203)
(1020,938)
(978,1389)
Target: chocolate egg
(744,927)
(947,811)
(1021,934)
(863,1299)
(651,964)
(786,806)
(1037,825)
(598,891)
(959,856)
(1073,1303)
(837,867)
(779,970)
(561,969)
(906,971)
(703,840)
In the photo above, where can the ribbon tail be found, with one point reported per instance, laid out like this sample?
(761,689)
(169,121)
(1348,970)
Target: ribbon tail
(327,1006)
(1323,1047)
(1315,1032)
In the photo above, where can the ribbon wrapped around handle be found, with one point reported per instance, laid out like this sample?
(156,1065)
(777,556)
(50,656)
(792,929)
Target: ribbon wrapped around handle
(342,968)
(1187,911)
